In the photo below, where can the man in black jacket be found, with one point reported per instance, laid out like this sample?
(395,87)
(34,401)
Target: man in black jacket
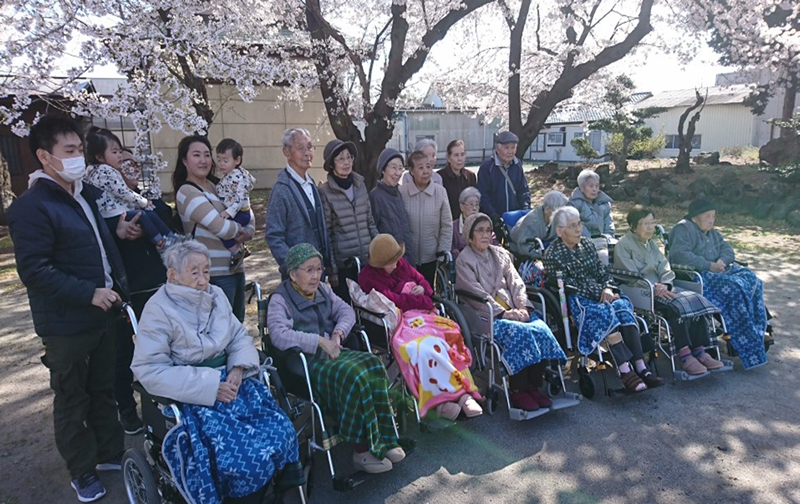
(67,260)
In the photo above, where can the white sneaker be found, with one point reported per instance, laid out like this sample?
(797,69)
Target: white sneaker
(369,463)
(395,455)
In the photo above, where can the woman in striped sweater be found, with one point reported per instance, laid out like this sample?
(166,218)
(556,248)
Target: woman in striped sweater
(200,209)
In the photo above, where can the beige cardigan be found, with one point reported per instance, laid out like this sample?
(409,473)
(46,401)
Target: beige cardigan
(491,273)
(430,220)
(631,254)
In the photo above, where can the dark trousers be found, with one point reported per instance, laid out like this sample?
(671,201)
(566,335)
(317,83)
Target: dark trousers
(152,225)
(428,270)
(341,290)
(689,332)
(87,430)
(531,376)
(241,218)
(630,349)
(123,337)
(233,286)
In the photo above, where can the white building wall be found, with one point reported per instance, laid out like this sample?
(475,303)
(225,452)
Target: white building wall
(721,126)
(566,152)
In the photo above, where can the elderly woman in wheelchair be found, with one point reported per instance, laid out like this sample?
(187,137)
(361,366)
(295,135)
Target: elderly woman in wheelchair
(694,244)
(598,311)
(486,272)
(350,385)
(190,348)
(688,313)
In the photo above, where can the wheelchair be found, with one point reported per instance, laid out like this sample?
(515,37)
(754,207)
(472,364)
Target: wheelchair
(146,475)
(482,334)
(291,380)
(507,222)
(687,278)
(640,291)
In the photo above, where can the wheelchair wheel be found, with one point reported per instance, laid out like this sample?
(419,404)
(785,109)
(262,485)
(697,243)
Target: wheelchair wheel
(586,383)
(140,484)
(554,388)
(454,313)
(441,285)
(492,398)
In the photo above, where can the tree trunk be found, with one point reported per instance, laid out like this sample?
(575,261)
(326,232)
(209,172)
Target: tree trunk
(685,141)
(621,159)
(789,103)
(6,193)
(571,76)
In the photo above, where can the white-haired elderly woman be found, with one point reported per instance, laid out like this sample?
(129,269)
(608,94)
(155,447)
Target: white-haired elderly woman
(349,385)
(737,291)
(192,349)
(598,311)
(594,207)
(536,224)
(430,148)
(469,203)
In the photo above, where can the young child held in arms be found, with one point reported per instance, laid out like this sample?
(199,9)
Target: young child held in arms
(234,190)
(105,159)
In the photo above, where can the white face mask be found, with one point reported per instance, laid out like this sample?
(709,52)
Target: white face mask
(73,169)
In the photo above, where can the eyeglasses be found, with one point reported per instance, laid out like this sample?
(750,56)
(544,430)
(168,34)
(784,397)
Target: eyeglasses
(312,270)
(305,149)
(573,227)
(345,159)
(472,205)
(482,230)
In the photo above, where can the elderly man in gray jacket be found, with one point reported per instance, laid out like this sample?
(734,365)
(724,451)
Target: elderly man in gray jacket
(295,213)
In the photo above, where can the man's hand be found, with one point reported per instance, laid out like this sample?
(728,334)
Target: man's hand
(718,266)
(330,347)
(235,377)
(129,230)
(227,392)
(105,298)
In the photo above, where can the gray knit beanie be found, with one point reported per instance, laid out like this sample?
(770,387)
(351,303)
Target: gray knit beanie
(387,155)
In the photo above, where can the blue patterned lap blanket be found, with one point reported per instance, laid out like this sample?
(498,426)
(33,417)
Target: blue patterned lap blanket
(526,343)
(229,450)
(596,320)
(740,295)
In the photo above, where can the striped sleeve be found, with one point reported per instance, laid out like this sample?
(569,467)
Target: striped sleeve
(195,208)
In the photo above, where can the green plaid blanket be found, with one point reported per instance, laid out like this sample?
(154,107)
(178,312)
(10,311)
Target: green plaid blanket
(354,389)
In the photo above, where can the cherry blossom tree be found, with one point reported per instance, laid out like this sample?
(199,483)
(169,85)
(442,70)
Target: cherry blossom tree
(553,51)
(170,51)
(755,34)
(366,54)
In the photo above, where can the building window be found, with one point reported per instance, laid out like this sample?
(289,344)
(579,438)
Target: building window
(557,139)
(121,126)
(539,143)
(673,142)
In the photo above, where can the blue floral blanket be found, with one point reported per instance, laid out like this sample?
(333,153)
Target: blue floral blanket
(740,295)
(229,450)
(526,343)
(596,320)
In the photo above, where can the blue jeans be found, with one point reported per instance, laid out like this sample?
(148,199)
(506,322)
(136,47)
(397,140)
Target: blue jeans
(154,228)
(233,286)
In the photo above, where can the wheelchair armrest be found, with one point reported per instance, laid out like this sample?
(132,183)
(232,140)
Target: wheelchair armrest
(444,257)
(681,267)
(625,275)
(368,312)
(470,295)
(743,264)
(138,387)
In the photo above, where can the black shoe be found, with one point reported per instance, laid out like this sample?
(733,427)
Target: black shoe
(650,379)
(131,423)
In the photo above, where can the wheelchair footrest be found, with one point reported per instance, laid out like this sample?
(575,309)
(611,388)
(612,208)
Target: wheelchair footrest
(727,366)
(682,375)
(567,401)
(520,414)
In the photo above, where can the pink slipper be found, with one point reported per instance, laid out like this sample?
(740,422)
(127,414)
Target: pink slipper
(470,406)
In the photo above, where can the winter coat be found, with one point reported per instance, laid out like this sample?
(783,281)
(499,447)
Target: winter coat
(391,285)
(295,321)
(59,259)
(289,222)
(595,215)
(455,184)
(430,219)
(529,227)
(389,213)
(581,267)
(491,273)
(497,197)
(182,327)
(351,226)
(631,254)
(690,246)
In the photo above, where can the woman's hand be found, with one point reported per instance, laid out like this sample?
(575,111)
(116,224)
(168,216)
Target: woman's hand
(330,347)
(718,266)
(518,315)
(235,377)
(338,336)
(608,296)
(662,291)
(227,392)
(418,290)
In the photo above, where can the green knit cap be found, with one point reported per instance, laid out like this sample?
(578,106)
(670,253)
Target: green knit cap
(299,254)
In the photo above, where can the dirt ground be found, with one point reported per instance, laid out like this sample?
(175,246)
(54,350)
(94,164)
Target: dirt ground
(727,438)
